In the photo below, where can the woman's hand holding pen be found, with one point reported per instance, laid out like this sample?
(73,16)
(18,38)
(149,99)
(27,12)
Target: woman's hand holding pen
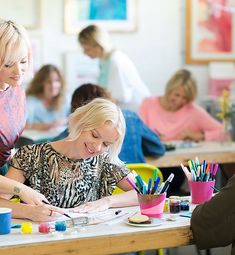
(41,213)
(94,206)
(28,195)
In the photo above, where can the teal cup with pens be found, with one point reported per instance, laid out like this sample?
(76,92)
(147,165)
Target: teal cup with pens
(201,191)
(152,205)
(5,220)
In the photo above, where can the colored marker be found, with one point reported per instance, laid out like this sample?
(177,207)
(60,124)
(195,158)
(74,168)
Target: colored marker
(132,185)
(117,212)
(155,185)
(215,171)
(149,185)
(186,172)
(214,188)
(167,183)
(155,174)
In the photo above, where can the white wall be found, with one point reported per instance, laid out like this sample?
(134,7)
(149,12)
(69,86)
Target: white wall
(156,47)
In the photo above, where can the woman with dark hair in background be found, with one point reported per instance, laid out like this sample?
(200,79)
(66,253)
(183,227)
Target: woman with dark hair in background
(139,140)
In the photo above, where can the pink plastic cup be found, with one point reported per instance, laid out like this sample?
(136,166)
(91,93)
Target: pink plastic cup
(201,191)
(152,205)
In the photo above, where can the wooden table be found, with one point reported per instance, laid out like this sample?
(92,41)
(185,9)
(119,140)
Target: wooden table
(100,239)
(210,151)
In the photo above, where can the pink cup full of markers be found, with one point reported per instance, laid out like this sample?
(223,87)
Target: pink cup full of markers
(151,196)
(201,179)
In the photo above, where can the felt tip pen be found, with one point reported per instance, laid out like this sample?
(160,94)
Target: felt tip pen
(132,185)
(155,185)
(65,214)
(167,183)
(149,185)
(214,188)
(155,174)
(117,212)
(215,171)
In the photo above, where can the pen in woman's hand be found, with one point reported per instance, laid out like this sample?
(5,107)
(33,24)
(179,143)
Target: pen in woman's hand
(65,214)
(45,202)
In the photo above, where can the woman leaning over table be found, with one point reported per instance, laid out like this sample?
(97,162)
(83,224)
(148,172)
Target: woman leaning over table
(84,167)
(174,116)
(15,60)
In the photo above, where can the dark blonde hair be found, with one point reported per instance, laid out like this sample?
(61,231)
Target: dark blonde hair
(183,78)
(93,115)
(36,86)
(94,35)
(13,39)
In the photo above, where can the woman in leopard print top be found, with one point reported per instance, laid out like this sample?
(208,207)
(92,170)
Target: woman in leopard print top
(84,167)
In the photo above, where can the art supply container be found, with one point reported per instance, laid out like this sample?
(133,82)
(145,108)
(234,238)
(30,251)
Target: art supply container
(184,205)
(201,191)
(5,220)
(152,205)
(44,228)
(174,204)
(60,226)
(26,228)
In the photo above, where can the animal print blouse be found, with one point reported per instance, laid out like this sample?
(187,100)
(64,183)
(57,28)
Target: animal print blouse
(67,182)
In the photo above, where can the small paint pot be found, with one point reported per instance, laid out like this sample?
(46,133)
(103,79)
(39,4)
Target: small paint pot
(174,204)
(60,226)
(26,227)
(184,205)
(44,228)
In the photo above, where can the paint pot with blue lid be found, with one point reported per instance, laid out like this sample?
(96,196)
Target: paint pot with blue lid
(60,226)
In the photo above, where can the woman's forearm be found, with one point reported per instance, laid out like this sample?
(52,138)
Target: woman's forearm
(128,198)
(19,210)
(9,187)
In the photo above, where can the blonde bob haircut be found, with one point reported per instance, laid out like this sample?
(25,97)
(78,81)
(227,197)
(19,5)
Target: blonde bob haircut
(13,39)
(94,35)
(93,115)
(183,78)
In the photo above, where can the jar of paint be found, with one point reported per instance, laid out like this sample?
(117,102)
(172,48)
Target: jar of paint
(26,228)
(174,204)
(60,226)
(44,228)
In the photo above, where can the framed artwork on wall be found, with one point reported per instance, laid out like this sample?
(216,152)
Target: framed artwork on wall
(210,31)
(113,15)
(25,12)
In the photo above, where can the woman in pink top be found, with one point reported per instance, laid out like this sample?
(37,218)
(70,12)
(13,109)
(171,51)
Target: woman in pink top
(174,116)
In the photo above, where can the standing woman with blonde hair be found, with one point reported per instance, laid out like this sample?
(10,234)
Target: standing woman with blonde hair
(118,73)
(15,61)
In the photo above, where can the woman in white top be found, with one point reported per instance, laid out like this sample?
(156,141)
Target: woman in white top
(117,72)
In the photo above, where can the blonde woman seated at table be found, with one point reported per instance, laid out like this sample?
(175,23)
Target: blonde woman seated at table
(174,116)
(84,167)
(47,106)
